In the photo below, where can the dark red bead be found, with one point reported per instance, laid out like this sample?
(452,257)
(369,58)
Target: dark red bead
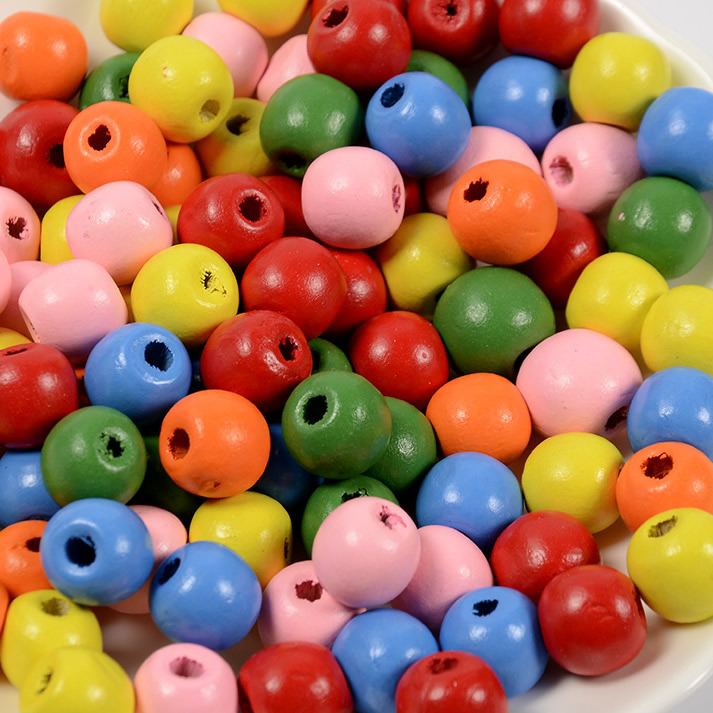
(289,191)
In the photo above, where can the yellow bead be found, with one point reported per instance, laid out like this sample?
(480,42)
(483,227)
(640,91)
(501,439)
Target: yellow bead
(76,679)
(9,338)
(134,24)
(183,85)
(574,473)
(615,77)
(678,329)
(172,212)
(270,18)
(53,238)
(613,295)
(253,525)
(38,622)
(189,289)
(420,260)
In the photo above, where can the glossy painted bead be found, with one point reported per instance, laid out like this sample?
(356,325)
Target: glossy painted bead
(288,61)
(500,625)
(289,191)
(255,526)
(579,380)
(353,197)
(23,494)
(40,621)
(108,80)
(525,96)
(420,122)
(20,567)
(187,678)
(374,649)
(205,594)
(20,234)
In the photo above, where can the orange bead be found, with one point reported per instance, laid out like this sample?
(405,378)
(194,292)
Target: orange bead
(214,443)
(43,56)
(481,412)
(502,212)
(661,477)
(182,174)
(20,567)
(114,141)
(4,604)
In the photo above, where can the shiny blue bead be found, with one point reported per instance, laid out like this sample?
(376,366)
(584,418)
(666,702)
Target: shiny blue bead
(526,96)
(501,626)
(23,495)
(675,137)
(471,492)
(96,551)
(204,593)
(674,404)
(140,369)
(419,122)
(374,649)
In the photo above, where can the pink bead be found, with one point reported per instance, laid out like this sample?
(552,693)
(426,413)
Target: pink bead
(295,607)
(71,306)
(450,565)
(20,235)
(5,281)
(185,678)
(239,44)
(486,144)
(366,551)
(119,225)
(167,535)
(579,380)
(20,274)
(353,197)
(290,60)
(589,165)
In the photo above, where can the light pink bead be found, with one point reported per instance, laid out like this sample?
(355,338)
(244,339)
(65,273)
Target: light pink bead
(185,678)
(20,274)
(589,165)
(295,607)
(167,535)
(239,44)
(5,281)
(353,197)
(290,60)
(366,551)
(579,380)
(20,234)
(71,306)
(119,225)
(486,144)
(450,565)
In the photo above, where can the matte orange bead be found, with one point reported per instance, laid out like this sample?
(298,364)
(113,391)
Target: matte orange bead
(20,566)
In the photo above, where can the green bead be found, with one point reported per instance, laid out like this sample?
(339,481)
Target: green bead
(425,61)
(336,424)
(490,317)
(327,356)
(328,496)
(93,452)
(307,116)
(411,450)
(663,221)
(108,81)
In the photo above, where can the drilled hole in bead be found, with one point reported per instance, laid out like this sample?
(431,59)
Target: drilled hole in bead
(55,156)
(561,171)
(286,549)
(390,519)
(99,139)
(659,529)
(658,466)
(235,124)
(209,111)
(12,351)
(211,283)
(315,409)
(55,607)
(451,9)
(476,191)
(179,443)
(441,665)
(391,95)
(158,355)
(252,208)
(124,86)
(309,590)
(560,112)
(618,417)
(186,668)
(396,198)
(44,682)
(291,161)
(485,607)
(168,570)
(358,493)
(288,348)
(16,227)
(158,207)
(336,16)
(113,447)
(33,544)
(81,550)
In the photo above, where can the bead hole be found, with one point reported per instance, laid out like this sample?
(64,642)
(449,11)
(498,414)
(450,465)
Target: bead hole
(252,208)
(659,529)
(439,665)
(55,607)
(618,417)
(485,607)
(358,493)
(288,348)
(291,161)
(658,466)
(124,86)
(476,191)
(33,544)
(209,111)
(113,447)
(561,171)
(396,197)
(158,355)
(55,156)
(451,9)
(391,95)
(99,138)
(16,227)
(315,409)
(235,124)
(336,16)
(15,350)
(211,283)
(44,682)
(81,550)
(186,668)
(309,590)
(390,519)
(168,570)
(179,443)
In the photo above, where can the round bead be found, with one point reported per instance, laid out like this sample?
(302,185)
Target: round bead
(21,273)
(277,18)
(288,61)
(327,356)
(23,494)
(20,566)
(53,238)
(108,81)
(425,61)
(182,174)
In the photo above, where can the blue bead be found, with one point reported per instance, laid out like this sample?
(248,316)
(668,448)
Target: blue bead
(471,492)
(140,369)
(674,404)
(676,137)
(96,551)
(419,122)
(501,626)
(204,593)
(526,96)
(374,649)
(23,495)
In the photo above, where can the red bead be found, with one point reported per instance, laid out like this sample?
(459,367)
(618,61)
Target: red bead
(414,196)
(289,191)
(317,5)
